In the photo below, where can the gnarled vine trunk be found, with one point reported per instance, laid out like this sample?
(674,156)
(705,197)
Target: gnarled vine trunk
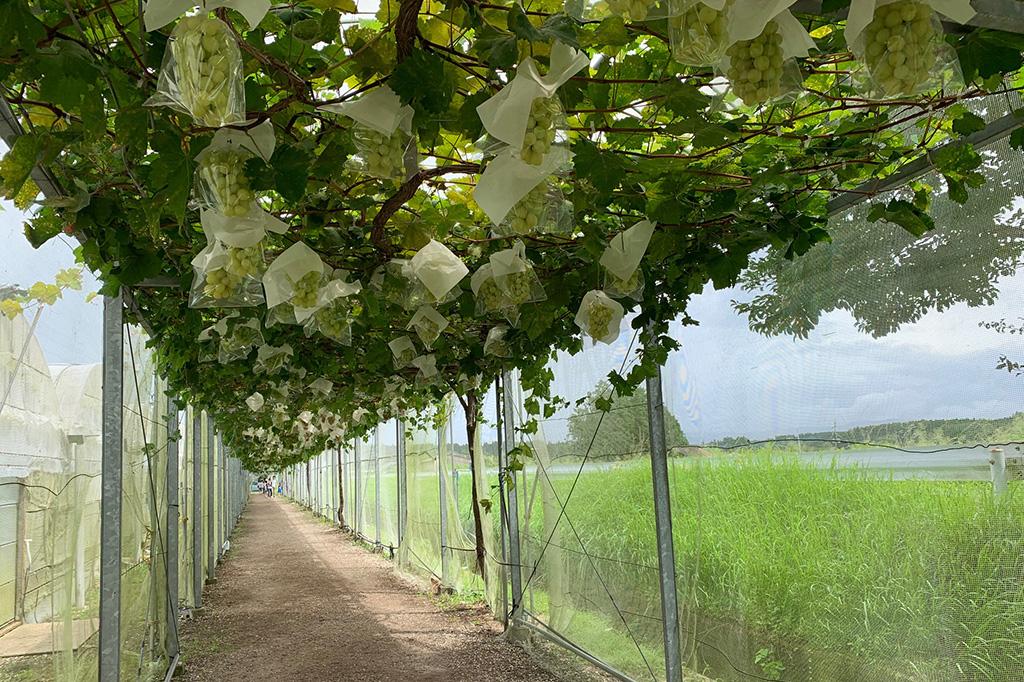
(471,406)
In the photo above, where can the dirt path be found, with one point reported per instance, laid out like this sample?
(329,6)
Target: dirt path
(296,600)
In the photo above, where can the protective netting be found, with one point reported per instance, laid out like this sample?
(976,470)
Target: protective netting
(833,513)
(51,454)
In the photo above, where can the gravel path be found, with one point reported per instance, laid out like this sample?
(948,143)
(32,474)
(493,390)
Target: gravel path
(297,600)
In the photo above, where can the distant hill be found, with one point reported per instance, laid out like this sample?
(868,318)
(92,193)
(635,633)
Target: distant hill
(916,433)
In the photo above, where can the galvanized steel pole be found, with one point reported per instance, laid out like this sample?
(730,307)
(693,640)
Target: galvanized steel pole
(663,528)
(356,511)
(403,500)
(442,490)
(211,500)
(225,501)
(508,380)
(110,504)
(171,529)
(197,508)
(376,483)
(502,507)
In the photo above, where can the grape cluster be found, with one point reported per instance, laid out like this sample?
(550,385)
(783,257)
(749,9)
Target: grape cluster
(491,296)
(208,59)
(427,330)
(221,284)
(699,34)
(244,262)
(334,322)
(305,291)
(540,131)
(525,216)
(625,286)
(384,155)
(405,356)
(519,287)
(223,171)
(600,317)
(635,10)
(901,47)
(755,66)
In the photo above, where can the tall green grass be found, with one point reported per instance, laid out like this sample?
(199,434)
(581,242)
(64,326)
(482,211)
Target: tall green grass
(815,573)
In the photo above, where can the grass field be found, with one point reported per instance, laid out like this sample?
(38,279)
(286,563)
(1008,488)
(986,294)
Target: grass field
(785,570)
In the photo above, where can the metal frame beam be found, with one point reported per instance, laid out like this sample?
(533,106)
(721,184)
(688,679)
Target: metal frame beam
(171,528)
(197,509)
(508,380)
(211,499)
(995,131)
(663,528)
(110,503)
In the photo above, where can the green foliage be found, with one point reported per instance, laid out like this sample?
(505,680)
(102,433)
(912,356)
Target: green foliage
(722,180)
(609,426)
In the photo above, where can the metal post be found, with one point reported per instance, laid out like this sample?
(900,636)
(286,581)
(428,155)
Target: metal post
(197,509)
(516,569)
(110,520)
(997,463)
(402,499)
(442,490)
(225,501)
(663,527)
(357,511)
(502,508)
(376,484)
(171,529)
(211,502)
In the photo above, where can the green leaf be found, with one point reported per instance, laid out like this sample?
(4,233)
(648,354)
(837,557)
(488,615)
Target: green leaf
(968,123)
(131,125)
(17,164)
(903,213)
(409,78)
(520,26)
(291,171)
(1017,138)
(497,48)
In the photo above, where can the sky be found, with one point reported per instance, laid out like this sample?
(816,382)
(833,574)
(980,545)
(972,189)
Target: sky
(69,332)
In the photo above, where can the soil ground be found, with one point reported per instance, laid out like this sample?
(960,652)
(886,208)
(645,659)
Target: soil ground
(298,600)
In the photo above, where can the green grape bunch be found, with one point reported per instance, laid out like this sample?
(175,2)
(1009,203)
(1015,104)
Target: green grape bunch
(427,329)
(221,284)
(755,66)
(405,356)
(699,34)
(635,10)
(525,216)
(244,262)
(491,296)
(902,47)
(208,61)
(384,155)
(600,318)
(333,321)
(223,171)
(540,131)
(625,286)
(306,291)
(519,287)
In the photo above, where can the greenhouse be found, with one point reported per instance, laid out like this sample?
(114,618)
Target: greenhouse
(512,340)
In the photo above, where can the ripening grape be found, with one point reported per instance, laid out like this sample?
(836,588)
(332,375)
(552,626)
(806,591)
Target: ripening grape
(244,262)
(405,356)
(305,291)
(208,60)
(427,330)
(755,66)
(525,216)
(492,297)
(901,47)
(333,321)
(630,9)
(699,34)
(223,171)
(519,287)
(221,284)
(384,155)
(625,286)
(600,318)
(540,130)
